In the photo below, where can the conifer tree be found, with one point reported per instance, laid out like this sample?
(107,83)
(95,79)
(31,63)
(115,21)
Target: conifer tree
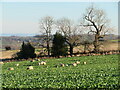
(59,47)
(27,51)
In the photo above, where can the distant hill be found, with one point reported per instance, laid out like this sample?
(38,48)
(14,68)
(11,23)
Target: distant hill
(17,34)
(15,41)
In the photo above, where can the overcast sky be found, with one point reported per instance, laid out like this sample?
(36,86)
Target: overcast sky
(23,17)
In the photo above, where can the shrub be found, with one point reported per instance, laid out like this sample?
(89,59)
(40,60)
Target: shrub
(7,48)
(27,51)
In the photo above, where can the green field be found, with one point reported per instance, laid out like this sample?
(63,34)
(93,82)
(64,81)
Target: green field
(99,72)
(116,40)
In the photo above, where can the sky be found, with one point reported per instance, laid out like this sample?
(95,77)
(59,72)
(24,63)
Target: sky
(24,17)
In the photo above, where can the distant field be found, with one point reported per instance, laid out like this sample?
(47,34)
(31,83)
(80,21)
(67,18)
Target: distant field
(7,54)
(99,72)
(117,40)
(106,46)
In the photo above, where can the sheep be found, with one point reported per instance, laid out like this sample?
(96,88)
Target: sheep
(11,68)
(69,56)
(74,64)
(42,63)
(1,63)
(17,64)
(77,62)
(30,68)
(84,62)
(39,63)
(66,65)
(78,55)
(62,65)
(32,60)
(93,54)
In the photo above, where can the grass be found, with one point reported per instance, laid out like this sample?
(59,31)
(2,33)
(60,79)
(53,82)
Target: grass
(116,40)
(99,72)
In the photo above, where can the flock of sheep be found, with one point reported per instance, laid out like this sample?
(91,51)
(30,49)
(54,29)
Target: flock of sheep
(73,64)
(44,63)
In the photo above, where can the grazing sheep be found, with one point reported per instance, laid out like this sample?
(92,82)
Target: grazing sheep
(84,62)
(32,61)
(69,56)
(17,64)
(62,65)
(39,63)
(10,68)
(66,65)
(1,63)
(74,64)
(43,63)
(77,62)
(93,54)
(30,68)
(78,55)
(110,53)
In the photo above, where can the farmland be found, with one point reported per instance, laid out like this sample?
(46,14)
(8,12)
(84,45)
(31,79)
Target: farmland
(99,72)
(107,46)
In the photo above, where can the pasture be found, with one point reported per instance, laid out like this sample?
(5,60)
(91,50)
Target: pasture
(98,72)
(111,45)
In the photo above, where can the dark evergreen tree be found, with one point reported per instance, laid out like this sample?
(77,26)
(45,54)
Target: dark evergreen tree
(27,51)
(59,47)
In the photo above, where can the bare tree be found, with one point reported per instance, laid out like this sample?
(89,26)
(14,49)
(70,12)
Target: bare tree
(98,24)
(69,30)
(46,24)
(86,42)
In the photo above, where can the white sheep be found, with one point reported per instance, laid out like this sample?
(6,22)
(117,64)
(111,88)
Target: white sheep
(67,65)
(62,65)
(39,63)
(17,64)
(84,62)
(77,62)
(32,60)
(30,68)
(1,63)
(74,64)
(11,68)
(43,63)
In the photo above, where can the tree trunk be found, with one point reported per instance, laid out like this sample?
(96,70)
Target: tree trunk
(71,50)
(48,49)
(85,48)
(96,43)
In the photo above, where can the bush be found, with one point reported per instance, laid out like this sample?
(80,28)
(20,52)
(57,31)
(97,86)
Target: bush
(7,48)
(27,51)
(59,47)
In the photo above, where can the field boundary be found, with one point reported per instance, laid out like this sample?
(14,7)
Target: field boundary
(110,52)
